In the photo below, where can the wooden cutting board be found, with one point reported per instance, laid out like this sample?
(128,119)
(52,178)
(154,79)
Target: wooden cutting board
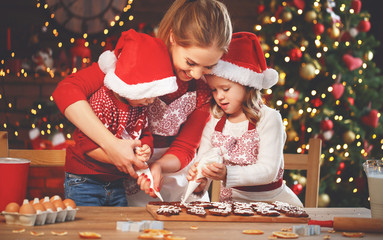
(183,216)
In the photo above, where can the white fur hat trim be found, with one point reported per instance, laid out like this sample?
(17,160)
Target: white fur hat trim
(245,76)
(142,90)
(107,63)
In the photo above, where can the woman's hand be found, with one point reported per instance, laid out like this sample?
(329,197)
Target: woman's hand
(144,182)
(215,171)
(121,154)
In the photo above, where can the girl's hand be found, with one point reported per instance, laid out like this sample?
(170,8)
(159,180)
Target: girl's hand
(144,182)
(201,186)
(215,171)
(143,153)
(192,173)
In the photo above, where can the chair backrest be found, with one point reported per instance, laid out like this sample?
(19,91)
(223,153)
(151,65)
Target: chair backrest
(309,162)
(38,158)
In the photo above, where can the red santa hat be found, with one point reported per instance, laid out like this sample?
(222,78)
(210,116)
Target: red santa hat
(245,63)
(139,67)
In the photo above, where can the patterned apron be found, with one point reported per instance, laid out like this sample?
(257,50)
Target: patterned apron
(166,120)
(240,151)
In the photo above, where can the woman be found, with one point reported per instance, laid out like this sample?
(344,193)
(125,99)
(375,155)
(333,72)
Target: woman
(197,34)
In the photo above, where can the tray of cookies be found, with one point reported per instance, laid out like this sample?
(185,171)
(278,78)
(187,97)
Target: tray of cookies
(227,212)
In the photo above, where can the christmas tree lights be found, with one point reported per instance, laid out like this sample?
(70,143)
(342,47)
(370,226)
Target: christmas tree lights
(329,88)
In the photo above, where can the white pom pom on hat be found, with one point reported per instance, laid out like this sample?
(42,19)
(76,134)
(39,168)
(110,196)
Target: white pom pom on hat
(107,61)
(245,63)
(139,67)
(270,78)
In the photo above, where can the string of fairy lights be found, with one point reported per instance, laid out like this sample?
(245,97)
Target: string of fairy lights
(117,22)
(49,27)
(312,112)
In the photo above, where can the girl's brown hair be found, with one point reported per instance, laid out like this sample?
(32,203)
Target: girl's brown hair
(251,106)
(200,23)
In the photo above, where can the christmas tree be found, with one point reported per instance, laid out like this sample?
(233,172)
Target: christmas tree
(329,88)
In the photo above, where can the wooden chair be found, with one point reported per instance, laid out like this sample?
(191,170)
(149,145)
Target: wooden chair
(38,158)
(309,162)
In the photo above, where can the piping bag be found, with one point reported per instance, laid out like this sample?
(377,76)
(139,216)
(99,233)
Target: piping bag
(147,172)
(213,156)
(351,224)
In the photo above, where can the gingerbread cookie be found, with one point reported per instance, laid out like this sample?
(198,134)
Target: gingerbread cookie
(219,212)
(167,210)
(243,211)
(196,210)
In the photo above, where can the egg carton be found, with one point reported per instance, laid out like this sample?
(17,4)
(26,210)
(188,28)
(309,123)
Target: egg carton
(41,218)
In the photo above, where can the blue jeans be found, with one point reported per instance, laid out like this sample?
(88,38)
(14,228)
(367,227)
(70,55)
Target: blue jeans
(85,190)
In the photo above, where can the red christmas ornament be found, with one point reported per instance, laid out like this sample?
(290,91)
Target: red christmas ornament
(300,4)
(371,119)
(346,36)
(295,54)
(316,102)
(141,26)
(297,188)
(326,124)
(341,166)
(364,26)
(351,62)
(337,90)
(260,8)
(318,28)
(356,5)
(351,101)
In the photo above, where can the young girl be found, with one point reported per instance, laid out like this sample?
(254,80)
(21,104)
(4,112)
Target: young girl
(197,33)
(121,105)
(250,135)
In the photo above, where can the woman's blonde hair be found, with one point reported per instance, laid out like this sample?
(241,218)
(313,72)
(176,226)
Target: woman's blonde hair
(251,106)
(200,23)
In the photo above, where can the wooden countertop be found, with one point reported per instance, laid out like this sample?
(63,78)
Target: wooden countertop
(103,220)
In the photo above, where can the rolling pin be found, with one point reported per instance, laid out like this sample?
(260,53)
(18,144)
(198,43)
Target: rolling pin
(350,224)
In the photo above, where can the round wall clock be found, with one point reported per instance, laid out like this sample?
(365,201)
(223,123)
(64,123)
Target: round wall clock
(86,16)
